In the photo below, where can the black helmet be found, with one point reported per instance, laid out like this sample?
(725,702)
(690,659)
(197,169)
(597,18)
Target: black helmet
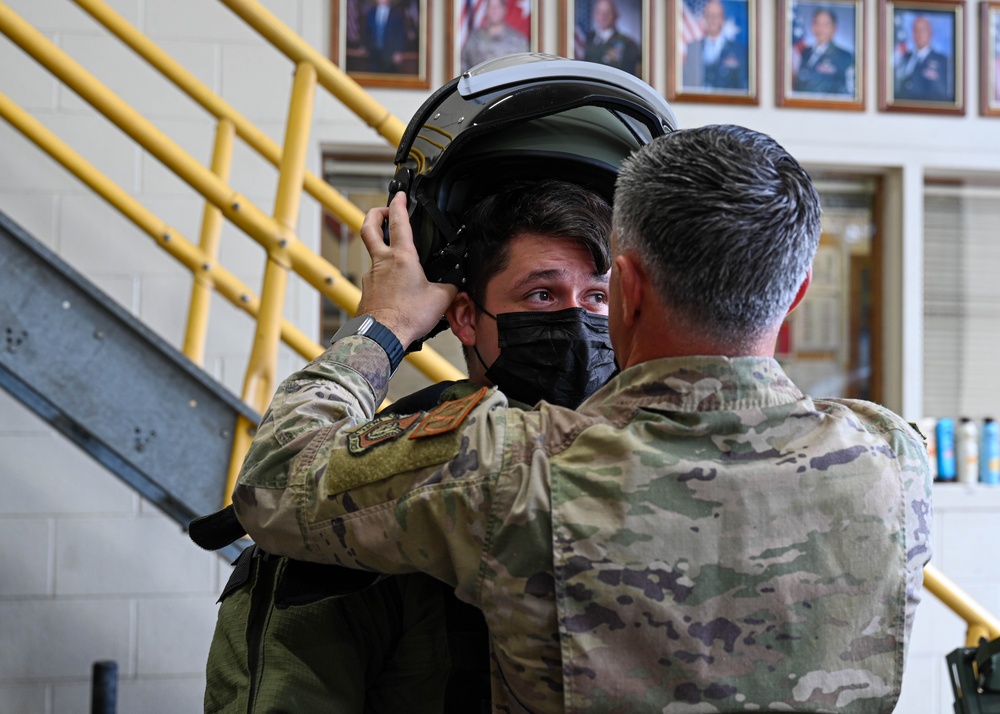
(522,116)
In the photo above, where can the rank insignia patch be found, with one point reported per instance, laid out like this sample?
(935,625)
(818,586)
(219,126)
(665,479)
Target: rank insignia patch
(380,431)
(448,416)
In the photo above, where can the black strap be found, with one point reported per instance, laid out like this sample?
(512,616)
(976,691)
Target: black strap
(988,665)
(216,530)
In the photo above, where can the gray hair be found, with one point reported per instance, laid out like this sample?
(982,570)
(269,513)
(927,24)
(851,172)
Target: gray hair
(725,223)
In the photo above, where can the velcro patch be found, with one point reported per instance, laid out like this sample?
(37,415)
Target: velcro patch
(448,416)
(380,431)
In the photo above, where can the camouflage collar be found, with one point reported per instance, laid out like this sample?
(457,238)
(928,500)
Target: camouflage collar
(695,384)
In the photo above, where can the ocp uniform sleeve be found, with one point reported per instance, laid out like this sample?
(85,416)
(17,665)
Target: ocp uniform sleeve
(402,493)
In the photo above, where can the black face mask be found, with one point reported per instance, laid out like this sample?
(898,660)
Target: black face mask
(562,357)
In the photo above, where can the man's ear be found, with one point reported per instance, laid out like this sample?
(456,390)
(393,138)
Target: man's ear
(461,316)
(630,280)
(802,290)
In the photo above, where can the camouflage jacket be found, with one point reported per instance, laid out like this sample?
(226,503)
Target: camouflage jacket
(697,537)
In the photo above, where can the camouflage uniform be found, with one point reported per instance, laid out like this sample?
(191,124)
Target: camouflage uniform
(697,537)
(305,637)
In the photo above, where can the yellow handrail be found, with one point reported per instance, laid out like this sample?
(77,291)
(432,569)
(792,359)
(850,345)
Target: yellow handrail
(276,234)
(981,622)
(167,237)
(218,107)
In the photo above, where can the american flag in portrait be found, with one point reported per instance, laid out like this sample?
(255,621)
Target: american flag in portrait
(472,15)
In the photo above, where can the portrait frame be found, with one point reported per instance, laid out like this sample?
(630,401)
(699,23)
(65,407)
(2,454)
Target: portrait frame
(833,78)
(635,22)
(687,78)
(989,59)
(350,42)
(908,82)
(456,35)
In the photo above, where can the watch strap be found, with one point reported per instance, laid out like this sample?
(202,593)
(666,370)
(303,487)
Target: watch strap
(387,341)
(368,326)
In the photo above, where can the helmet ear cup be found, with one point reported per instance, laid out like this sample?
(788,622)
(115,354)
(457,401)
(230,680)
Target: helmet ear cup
(522,117)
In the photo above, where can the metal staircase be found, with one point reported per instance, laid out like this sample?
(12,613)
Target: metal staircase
(109,384)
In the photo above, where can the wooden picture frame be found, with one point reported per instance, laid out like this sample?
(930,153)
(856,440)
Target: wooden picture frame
(922,56)
(626,25)
(989,59)
(469,40)
(821,51)
(702,71)
(398,56)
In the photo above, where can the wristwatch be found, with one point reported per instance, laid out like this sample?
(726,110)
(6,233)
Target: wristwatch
(374,330)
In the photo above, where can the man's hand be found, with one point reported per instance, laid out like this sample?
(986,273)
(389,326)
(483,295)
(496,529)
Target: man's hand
(395,291)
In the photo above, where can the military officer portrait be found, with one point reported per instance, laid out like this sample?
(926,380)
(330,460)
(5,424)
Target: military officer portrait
(822,52)
(924,68)
(715,47)
(609,32)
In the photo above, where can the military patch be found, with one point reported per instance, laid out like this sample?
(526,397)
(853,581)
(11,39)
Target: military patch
(448,416)
(379,431)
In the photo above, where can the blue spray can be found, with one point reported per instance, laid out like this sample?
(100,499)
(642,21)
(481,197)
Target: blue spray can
(989,456)
(946,449)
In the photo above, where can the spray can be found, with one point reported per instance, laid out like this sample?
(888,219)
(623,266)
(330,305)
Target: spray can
(967,451)
(945,433)
(989,457)
(928,427)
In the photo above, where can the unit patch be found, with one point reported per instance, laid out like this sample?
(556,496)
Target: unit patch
(379,431)
(447,416)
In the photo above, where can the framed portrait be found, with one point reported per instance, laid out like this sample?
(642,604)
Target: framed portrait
(611,32)
(480,30)
(382,43)
(989,59)
(712,51)
(821,54)
(921,56)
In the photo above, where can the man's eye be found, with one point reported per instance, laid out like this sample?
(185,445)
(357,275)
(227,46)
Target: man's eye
(543,295)
(599,297)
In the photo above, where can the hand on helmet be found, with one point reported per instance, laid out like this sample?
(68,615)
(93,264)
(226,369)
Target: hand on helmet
(395,290)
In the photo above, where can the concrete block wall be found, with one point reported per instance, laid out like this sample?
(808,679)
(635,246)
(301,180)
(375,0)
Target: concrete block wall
(90,570)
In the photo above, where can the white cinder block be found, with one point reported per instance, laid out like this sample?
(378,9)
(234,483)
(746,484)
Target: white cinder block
(242,255)
(257,80)
(936,629)
(130,77)
(91,557)
(174,635)
(32,211)
(58,15)
(100,142)
(164,304)
(25,81)
(17,419)
(194,136)
(36,172)
(314,26)
(47,639)
(162,695)
(252,175)
(917,679)
(965,541)
(74,697)
(23,698)
(28,555)
(97,239)
(194,20)
(48,474)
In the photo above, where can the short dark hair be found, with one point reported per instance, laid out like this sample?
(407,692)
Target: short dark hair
(726,224)
(829,13)
(553,208)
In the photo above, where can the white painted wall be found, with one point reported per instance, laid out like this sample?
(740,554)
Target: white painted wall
(90,571)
